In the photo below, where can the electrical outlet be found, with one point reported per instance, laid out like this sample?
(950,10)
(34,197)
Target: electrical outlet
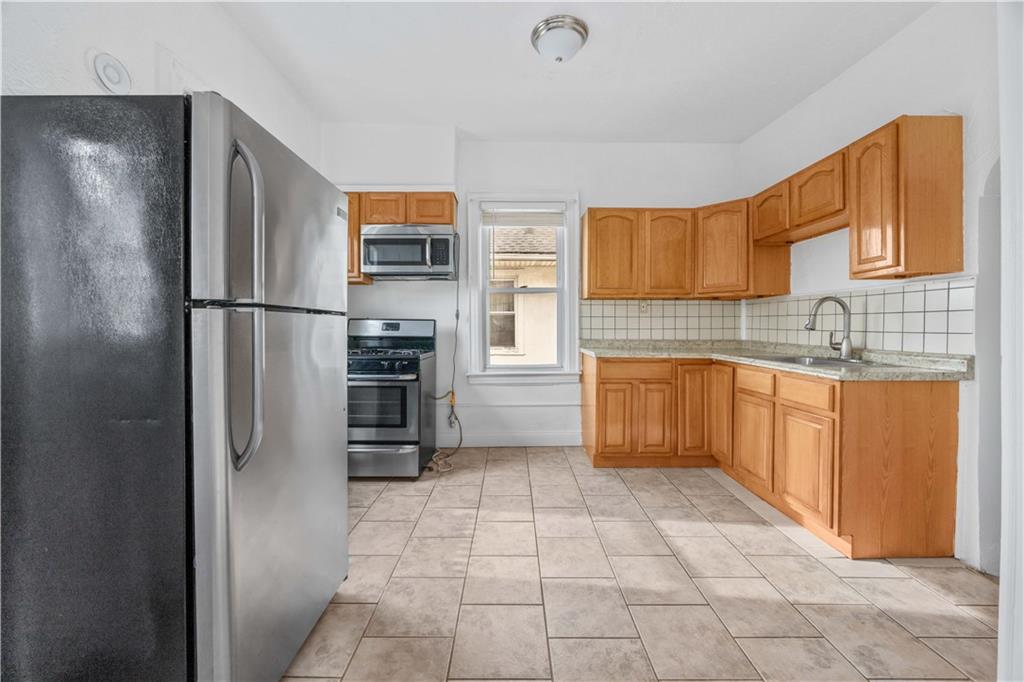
(644,305)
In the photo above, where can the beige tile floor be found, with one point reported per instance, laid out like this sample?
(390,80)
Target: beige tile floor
(527,563)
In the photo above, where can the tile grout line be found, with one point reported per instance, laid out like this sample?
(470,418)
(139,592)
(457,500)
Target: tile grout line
(615,575)
(465,575)
(540,577)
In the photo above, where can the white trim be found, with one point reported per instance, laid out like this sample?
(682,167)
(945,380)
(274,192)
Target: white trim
(568,277)
(355,187)
(519,438)
(1010,27)
(523,378)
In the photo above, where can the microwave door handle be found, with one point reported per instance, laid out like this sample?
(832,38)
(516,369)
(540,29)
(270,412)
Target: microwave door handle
(427,258)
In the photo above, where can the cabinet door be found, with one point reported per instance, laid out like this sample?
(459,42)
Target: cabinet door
(430,208)
(612,256)
(874,237)
(355,256)
(615,418)
(818,192)
(753,428)
(667,238)
(692,387)
(383,208)
(720,420)
(655,417)
(723,248)
(769,211)
(803,462)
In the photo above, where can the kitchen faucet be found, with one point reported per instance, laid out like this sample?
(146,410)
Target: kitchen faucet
(845,347)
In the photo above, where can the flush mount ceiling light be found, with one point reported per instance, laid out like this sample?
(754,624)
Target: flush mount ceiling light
(560,37)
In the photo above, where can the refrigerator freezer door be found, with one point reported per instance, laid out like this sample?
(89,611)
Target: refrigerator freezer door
(271,546)
(246,183)
(95,501)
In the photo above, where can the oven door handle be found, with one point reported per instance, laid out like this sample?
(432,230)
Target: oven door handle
(379,379)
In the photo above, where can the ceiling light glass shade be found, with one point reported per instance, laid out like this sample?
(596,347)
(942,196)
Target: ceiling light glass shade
(560,37)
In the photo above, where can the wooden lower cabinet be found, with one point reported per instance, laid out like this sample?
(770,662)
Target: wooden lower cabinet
(615,414)
(804,452)
(720,417)
(867,466)
(693,384)
(646,412)
(753,440)
(654,417)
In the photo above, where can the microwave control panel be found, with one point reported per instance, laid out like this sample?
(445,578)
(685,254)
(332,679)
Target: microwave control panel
(440,252)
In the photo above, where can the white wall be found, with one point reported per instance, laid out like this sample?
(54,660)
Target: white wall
(945,62)
(359,155)
(165,47)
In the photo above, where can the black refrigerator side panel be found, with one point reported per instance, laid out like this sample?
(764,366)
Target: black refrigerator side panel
(95,495)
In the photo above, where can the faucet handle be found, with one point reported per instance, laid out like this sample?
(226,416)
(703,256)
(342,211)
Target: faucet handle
(831,342)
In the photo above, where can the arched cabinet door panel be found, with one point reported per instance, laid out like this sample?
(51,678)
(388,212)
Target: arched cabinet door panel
(612,258)
(723,248)
(874,231)
(818,191)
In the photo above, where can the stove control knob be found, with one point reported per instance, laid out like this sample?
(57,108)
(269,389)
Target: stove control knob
(385,364)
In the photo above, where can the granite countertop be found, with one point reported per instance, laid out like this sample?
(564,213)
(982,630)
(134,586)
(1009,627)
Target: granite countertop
(884,365)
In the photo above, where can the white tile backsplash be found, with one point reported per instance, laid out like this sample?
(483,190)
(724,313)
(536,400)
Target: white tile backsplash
(931,317)
(660,320)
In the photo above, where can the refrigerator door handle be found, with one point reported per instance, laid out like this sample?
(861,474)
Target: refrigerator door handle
(240,459)
(259,203)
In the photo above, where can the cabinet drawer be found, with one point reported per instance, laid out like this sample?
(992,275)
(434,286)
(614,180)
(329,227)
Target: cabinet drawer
(755,381)
(805,392)
(633,370)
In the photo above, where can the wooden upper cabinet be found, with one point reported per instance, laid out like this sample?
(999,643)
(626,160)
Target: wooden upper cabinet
(723,248)
(720,420)
(753,436)
(906,186)
(355,256)
(803,462)
(430,208)
(667,237)
(818,193)
(692,389)
(383,208)
(769,214)
(611,253)
(874,242)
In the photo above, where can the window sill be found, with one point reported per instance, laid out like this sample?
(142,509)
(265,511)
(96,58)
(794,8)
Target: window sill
(523,378)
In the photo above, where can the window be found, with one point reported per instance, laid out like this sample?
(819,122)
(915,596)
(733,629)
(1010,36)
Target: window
(503,319)
(523,284)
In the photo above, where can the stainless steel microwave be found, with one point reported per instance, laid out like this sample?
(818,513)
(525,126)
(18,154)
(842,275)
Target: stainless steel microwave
(410,251)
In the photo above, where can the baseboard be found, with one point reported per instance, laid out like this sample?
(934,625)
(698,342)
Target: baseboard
(492,439)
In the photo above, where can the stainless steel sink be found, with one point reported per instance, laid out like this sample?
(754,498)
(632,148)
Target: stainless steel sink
(812,361)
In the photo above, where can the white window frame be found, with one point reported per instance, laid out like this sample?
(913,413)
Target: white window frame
(517,322)
(566,370)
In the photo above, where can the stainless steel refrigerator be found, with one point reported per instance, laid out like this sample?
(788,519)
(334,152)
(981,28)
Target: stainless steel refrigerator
(173,465)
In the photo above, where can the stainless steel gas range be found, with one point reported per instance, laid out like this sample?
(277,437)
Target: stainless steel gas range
(391,404)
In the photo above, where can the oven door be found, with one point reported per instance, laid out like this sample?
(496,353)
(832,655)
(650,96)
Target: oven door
(385,254)
(384,409)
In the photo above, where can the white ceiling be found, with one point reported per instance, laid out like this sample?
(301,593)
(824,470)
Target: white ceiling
(650,72)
